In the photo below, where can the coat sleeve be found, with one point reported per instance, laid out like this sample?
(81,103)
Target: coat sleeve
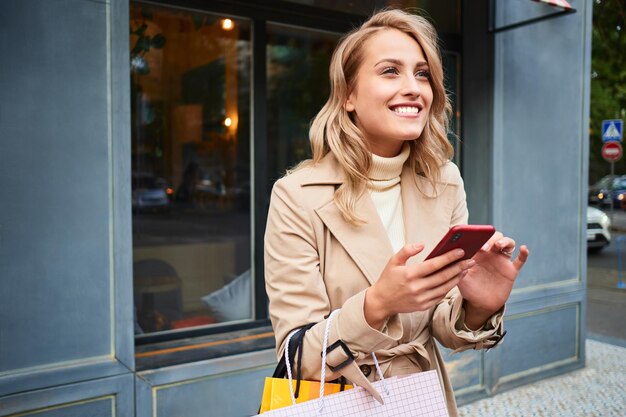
(296,291)
(448,324)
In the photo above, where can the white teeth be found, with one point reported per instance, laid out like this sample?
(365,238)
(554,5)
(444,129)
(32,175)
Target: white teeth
(405,110)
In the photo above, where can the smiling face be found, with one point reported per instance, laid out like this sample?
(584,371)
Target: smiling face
(391,98)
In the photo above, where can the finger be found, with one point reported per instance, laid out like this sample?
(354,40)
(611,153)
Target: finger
(493,239)
(405,253)
(505,244)
(522,257)
(437,294)
(443,276)
(433,265)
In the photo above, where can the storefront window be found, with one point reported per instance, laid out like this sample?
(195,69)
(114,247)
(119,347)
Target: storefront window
(190,98)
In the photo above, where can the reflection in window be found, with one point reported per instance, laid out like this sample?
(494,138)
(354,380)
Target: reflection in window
(298,87)
(451,69)
(190,98)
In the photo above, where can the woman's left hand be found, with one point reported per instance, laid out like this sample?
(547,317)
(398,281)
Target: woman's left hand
(488,284)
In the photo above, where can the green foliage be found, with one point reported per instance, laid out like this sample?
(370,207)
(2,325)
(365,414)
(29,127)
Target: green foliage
(143,45)
(608,79)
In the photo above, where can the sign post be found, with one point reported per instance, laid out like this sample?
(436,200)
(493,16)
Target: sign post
(612,132)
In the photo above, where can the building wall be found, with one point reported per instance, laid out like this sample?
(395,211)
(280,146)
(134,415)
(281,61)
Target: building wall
(66,329)
(66,343)
(525,161)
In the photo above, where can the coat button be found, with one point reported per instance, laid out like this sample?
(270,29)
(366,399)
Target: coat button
(366,369)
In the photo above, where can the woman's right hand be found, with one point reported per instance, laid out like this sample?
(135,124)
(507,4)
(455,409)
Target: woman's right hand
(405,288)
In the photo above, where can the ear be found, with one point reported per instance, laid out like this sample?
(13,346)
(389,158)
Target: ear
(348,106)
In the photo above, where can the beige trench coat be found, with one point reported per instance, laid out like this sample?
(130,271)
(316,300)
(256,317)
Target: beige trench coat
(316,262)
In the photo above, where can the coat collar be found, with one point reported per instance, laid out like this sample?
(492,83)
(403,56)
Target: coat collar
(326,172)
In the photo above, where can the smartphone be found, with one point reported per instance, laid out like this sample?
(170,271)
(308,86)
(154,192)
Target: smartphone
(469,237)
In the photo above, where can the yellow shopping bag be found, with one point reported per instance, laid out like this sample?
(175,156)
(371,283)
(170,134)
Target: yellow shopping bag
(276,393)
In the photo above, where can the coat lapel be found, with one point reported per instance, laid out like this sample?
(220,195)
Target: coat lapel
(368,245)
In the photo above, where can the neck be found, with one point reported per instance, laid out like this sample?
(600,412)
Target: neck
(387,150)
(388,168)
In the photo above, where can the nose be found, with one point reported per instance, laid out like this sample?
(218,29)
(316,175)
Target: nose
(411,86)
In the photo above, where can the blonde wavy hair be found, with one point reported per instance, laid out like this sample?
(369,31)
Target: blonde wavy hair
(333,130)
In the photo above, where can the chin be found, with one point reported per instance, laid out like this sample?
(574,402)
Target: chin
(410,136)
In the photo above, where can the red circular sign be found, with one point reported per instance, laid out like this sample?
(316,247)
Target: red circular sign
(612,151)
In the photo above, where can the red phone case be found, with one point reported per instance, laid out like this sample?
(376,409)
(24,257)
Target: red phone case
(469,237)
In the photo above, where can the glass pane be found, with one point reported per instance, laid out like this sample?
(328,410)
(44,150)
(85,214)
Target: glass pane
(446,14)
(297,88)
(190,98)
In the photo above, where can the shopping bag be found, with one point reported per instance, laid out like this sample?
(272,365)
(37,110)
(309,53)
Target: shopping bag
(278,393)
(416,395)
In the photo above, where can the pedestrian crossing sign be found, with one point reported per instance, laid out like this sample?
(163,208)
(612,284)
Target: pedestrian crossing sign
(612,130)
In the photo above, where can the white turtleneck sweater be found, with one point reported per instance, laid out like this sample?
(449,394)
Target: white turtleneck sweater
(384,188)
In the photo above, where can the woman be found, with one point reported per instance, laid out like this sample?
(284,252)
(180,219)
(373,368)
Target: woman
(350,228)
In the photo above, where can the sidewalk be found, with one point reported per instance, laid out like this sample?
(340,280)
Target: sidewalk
(598,390)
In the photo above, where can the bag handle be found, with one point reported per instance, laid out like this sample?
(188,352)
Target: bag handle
(288,364)
(295,345)
(320,407)
(289,355)
(297,339)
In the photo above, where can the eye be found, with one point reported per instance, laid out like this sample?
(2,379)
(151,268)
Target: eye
(391,70)
(423,74)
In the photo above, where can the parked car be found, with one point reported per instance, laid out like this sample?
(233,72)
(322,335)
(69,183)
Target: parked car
(609,187)
(150,193)
(598,234)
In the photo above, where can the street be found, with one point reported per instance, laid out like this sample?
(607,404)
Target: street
(606,303)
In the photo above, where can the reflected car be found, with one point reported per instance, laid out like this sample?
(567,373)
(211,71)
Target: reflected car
(150,193)
(598,233)
(609,187)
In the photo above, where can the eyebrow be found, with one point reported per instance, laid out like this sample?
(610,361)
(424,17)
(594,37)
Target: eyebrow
(400,63)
